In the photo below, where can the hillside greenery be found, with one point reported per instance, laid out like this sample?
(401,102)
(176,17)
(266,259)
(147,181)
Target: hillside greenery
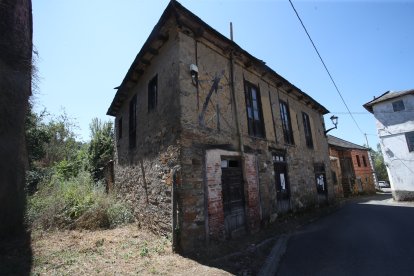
(65,179)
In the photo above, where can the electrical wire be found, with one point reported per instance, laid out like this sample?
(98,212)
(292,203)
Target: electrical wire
(326,68)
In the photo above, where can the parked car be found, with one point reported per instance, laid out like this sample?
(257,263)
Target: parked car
(383,184)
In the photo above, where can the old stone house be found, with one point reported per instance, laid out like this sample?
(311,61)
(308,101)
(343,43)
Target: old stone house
(351,168)
(394,114)
(210,142)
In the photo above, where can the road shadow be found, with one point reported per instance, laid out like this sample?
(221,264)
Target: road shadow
(16,255)
(247,254)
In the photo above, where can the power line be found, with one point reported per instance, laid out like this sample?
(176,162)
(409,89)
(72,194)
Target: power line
(326,68)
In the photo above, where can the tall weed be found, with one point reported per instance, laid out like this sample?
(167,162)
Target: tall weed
(78,202)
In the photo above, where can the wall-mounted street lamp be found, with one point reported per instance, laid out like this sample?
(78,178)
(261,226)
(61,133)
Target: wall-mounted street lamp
(334,120)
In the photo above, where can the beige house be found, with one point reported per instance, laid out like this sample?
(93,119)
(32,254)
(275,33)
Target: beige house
(211,143)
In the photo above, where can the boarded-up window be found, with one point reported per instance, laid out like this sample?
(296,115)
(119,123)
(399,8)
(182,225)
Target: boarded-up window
(320,178)
(152,93)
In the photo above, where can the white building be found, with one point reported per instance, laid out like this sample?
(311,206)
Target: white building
(394,112)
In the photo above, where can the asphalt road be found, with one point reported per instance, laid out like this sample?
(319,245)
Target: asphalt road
(368,237)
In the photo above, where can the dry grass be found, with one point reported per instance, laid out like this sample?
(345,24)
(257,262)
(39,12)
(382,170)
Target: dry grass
(120,251)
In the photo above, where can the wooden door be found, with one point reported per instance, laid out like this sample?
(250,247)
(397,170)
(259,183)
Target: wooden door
(233,198)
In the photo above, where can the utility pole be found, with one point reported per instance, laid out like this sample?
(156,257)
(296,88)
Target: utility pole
(374,174)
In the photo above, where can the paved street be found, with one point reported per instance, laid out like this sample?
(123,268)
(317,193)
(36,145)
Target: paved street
(369,237)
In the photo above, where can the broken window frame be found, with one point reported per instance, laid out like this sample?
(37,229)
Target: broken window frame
(286,123)
(254,112)
(308,130)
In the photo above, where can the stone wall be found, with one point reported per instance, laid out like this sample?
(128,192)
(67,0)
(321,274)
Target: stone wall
(194,126)
(209,124)
(144,175)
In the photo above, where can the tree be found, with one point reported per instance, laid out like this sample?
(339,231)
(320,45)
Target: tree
(379,164)
(101,147)
(37,136)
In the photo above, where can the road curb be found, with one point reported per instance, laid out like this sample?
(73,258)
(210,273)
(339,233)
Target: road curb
(272,262)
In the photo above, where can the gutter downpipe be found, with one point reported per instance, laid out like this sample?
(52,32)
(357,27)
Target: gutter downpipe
(238,127)
(233,94)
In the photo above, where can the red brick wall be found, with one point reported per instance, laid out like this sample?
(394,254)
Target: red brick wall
(214,190)
(361,172)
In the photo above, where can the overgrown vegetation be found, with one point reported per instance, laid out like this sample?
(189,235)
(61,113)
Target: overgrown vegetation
(75,203)
(379,164)
(65,180)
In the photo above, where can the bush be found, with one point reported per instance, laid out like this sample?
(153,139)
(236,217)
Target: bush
(75,203)
(119,214)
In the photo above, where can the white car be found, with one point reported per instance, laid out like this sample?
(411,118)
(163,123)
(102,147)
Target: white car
(383,184)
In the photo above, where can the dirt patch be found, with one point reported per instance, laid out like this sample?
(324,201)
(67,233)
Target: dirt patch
(121,251)
(132,251)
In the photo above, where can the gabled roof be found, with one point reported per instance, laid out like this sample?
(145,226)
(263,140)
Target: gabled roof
(185,17)
(389,95)
(340,143)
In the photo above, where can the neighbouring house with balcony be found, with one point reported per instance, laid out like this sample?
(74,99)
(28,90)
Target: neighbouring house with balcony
(352,171)
(394,114)
(211,143)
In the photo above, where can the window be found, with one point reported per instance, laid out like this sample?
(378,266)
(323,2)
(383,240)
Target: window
(398,106)
(133,122)
(286,123)
(358,161)
(307,129)
(120,128)
(409,136)
(254,110)
(152,93)
(364,161)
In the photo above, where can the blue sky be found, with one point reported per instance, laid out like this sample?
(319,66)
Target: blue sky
(86,47)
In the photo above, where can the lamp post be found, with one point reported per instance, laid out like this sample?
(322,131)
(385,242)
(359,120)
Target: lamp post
(334,120)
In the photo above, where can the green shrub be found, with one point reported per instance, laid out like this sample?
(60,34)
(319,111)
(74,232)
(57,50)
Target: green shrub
(75,203)
(119,214)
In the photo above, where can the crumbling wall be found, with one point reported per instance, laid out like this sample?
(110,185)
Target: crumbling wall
(145,174)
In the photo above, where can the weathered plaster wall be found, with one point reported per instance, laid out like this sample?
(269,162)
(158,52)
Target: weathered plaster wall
(209,124)
(392,127)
